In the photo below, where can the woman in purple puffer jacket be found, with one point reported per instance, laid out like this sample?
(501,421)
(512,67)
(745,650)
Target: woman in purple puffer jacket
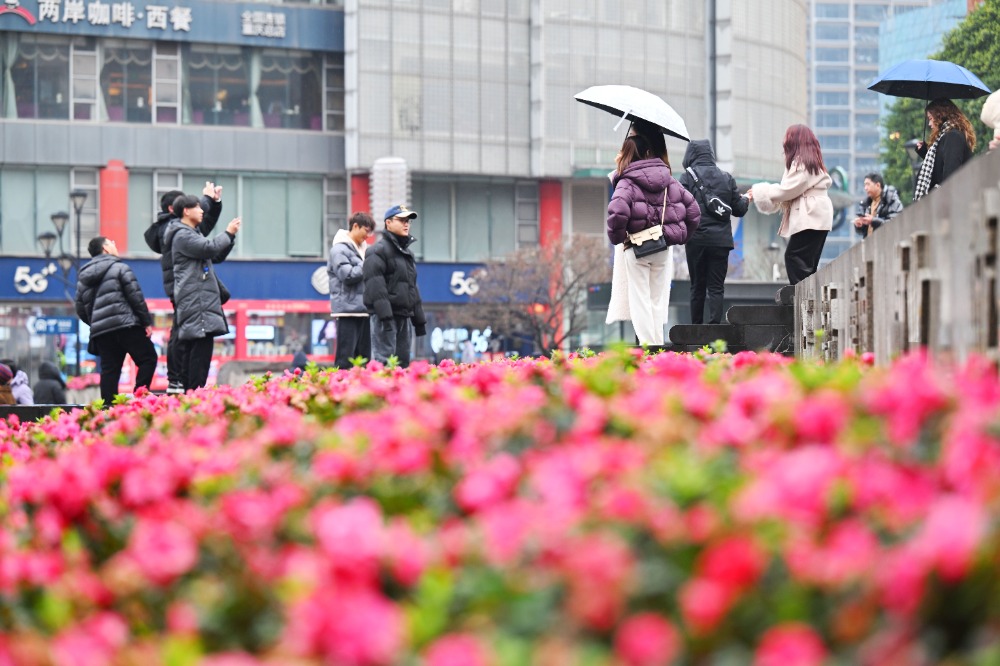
(643,185)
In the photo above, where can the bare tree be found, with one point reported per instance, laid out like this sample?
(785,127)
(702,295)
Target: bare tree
(541,292)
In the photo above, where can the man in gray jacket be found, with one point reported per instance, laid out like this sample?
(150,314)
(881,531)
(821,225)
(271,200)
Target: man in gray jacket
(197,297)
(345,269)
(109,300)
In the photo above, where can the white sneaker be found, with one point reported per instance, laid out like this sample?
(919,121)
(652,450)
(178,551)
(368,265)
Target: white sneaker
(175,389)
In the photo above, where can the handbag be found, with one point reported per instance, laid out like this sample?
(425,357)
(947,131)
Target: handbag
(651,240)
(714,206)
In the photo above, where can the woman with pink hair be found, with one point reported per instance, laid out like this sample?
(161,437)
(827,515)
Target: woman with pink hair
(803,198)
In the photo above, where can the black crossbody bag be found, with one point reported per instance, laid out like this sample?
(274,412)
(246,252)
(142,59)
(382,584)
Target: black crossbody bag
(714,206)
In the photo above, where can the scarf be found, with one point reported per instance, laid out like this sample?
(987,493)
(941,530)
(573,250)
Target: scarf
(924,176)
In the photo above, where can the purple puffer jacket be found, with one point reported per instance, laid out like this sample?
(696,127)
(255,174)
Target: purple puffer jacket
(638,201)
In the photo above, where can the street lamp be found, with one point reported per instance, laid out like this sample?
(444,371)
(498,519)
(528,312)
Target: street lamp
(47,241)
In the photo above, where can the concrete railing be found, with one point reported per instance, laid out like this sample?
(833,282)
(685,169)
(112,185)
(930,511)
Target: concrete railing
(926,279)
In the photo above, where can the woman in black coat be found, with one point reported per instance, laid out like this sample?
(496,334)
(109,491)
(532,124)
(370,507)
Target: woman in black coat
(50,389)
(951,146)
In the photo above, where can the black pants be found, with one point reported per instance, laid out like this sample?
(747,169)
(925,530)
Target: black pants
(708,267)
(354,338)
(112,348)
(175,367)
(803,253)
(196,359)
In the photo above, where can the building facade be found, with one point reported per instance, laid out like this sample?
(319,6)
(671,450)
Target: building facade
(288,105)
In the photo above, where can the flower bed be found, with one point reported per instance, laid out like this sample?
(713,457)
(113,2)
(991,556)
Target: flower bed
(602,510)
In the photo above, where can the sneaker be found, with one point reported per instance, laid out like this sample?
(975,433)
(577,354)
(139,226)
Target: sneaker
(175,389)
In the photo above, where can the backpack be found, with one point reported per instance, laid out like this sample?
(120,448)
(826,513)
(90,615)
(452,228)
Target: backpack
(714,206)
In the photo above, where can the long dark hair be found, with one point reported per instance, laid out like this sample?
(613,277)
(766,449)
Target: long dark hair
(654,135)
(634,148)
(944,110)
(802,146)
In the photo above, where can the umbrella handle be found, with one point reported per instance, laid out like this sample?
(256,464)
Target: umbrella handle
(622,119)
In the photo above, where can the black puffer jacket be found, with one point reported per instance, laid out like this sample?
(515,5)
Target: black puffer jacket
(157,231)
(50,389)
(391,281)
(108,297)
(712,232)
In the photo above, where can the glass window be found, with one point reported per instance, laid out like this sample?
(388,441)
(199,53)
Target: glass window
(305,217)
(833,119)
(866,55)
(831,55)
(216,89)
(870,12)
(831,10)
(866,99)
(832,99)
(140,215)
(289,90)
(865,35)
(433,200)
(867,142)
(40,75)
(834,142)
(127,81)
(833,31)
(829,75)
(865,121)
(863,77)
(834,161)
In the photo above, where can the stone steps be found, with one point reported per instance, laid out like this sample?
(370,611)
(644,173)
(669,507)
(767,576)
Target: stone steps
(751,327)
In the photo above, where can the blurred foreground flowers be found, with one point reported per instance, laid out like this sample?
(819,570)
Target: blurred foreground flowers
(617,509)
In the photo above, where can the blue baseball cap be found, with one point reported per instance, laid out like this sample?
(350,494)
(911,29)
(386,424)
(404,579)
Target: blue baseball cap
(400,211)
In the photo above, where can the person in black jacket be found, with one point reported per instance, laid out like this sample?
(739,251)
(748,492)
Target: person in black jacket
(881,205)
(211,204)
(708,248)
(50,389)
(952,144)
(109,300)
(391,293)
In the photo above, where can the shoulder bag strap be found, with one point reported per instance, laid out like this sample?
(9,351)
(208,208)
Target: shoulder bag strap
(697,182)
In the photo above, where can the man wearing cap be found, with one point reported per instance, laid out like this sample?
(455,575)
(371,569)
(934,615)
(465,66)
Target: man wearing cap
(391,293)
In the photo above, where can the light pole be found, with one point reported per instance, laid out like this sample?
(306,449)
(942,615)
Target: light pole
(47,241)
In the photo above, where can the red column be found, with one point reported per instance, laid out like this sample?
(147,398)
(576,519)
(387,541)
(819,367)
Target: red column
(361,198)
(240,344)
(550,222)
(114,203)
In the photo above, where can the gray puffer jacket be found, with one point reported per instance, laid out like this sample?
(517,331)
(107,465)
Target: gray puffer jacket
(108,297)
(197,302)
(345,269)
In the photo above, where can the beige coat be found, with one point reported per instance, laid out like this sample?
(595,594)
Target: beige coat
(991,113)
(802,198)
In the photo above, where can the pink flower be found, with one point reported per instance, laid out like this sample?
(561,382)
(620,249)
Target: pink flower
(788,644)
(163,549)
(352,536)
(647,639)
(457,650)
(489,484)
(703,604)
(951,535)
(820,417)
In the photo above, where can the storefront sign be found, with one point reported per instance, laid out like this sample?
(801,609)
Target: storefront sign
(51,325)
(208,21)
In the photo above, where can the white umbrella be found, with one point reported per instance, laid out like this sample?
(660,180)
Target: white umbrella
(635,104)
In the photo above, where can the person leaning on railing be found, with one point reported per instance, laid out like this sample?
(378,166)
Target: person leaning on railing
(881,205)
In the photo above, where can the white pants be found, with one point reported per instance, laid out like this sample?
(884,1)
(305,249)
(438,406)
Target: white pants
(648,294)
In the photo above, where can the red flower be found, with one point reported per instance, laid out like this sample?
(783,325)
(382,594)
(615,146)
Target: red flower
(790,644)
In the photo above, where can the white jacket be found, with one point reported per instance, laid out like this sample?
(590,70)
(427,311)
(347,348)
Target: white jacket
(802,197)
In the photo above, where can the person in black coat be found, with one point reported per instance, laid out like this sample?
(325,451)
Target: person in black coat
(211,204)
(50,389)
(708,248)
(391,293)
(952,143)
(110,301)
(881,205)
